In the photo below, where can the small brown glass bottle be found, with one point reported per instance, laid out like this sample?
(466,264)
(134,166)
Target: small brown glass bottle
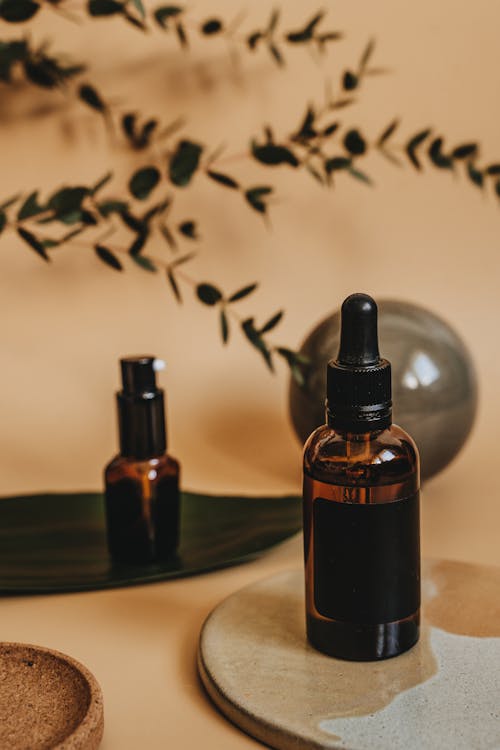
(361,506)
(142,482)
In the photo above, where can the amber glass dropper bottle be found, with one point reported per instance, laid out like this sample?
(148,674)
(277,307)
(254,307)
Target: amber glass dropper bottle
(361,506)
(142,482)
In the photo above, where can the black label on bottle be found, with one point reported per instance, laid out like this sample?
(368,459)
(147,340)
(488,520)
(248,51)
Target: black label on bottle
(366,560)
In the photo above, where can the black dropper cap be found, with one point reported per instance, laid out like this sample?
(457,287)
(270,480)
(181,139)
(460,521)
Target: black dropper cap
(141,410)
(359,380)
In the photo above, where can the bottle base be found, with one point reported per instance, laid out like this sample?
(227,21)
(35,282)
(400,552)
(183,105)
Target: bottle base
(362,642)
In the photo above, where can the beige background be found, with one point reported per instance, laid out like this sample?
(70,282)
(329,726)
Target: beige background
(431,239)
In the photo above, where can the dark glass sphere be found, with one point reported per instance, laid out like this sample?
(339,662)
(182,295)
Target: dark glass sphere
(434,384)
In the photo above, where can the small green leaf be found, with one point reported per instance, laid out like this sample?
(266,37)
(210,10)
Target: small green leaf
(436,155)
(33,242)
(139,242)
(165,12)
(224,326)
(330,129)
(140,8)
(254,38)
(30,207)
(92,98)
(255,196)
(386,134)
(475,175)
(101,183)
(10,201)
(223,179)
(306,130)
(16,11)
(307,33)
(413,144)
(181,34)
(184,162)
(3,220)
(173,285)
(272,322)
(365,57)
(243,292)
(497,188)
(208,294)
(188,229)
(294,361)
(248,328)
(337,162)
(273,21)
(464,151)
(212,26)
(169,237)
(107,257)
(273,155)
(341,103)
(128,124)
(349,81)
(106,208)
(67,201)
(361,176)
(104,7)
(145,263)
(276,54)
(354,142)
(493,169)
(143,182)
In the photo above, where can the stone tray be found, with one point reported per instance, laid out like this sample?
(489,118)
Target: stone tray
(444,693)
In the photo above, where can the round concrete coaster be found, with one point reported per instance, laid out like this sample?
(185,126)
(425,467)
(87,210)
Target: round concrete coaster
(444,693)
(47,701)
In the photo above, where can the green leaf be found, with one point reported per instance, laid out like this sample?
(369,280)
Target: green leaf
(436,155)
(107,257)
(497,188)
(67,201)
(145,263)
(330,129)
(101,183)
(128,124)
(276,54)
(273,155)
(475,175)
(307,33)
(10,201)
(224,326)
(173,285)
(306,130)
(169,237)
(188,229)
(92,98)
(143,182)
(33,242)
(162,14)
(242,292)
(493,169)
(349,81)
(272,322)
(30,207)
(42,73)
(365,57)
(184,162)
(386,134)
(3,220)
(257,341)
(208,294)
(104,7)
(294,361)
(16,11)
(413,144)
(354,142)
(254,197)
(140,8)
(223,179)
(139,242)
(106,208)
(464,151)
(212,26)
(273,21)
(361,176)
(181,34)
(254,38)
(336,163)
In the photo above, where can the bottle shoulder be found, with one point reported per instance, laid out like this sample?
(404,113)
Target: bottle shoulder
(381,457)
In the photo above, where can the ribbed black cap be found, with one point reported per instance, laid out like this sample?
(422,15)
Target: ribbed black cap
(359,380)
(141,410)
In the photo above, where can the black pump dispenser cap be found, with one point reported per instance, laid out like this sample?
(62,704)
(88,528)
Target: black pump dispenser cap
(141,410)
(359,380)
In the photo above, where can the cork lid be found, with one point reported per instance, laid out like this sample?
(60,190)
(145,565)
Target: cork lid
(47,700)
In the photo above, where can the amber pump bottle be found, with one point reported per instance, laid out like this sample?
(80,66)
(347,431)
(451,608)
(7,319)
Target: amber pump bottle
(361,506)
(142,482)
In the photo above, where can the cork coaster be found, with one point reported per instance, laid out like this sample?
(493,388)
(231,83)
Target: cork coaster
(47,701)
